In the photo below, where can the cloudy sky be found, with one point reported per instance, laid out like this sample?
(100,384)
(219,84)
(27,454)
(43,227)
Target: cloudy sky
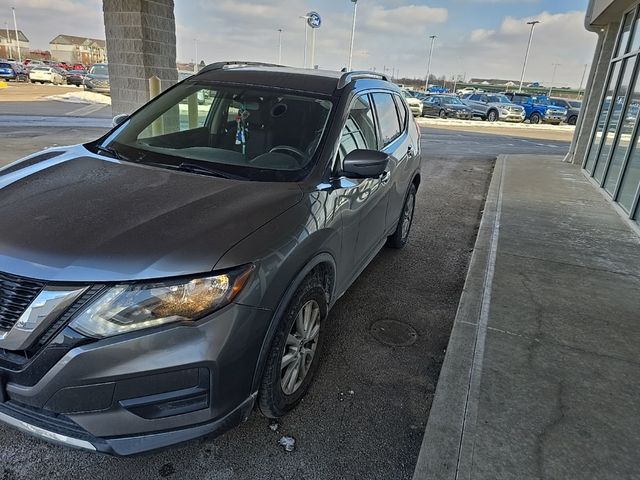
(479,38)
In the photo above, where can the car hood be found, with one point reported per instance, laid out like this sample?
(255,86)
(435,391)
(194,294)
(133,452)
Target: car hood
(97,76)
(506,105)
(77,216)
(456,107)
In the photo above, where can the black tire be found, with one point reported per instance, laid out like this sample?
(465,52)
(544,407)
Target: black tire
(399,238)
(272,400)
(572,120)
(535,118)
(492,116)
(442,114)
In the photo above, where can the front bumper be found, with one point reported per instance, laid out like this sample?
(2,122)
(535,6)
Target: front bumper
(554,118)
(512,117)
(99,88)
(145,390)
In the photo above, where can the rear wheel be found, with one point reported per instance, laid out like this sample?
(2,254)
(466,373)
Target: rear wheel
(399,238)
(535,118)
(295,350)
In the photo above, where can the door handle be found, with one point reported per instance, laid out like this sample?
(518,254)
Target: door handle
(384,179)
(410,152)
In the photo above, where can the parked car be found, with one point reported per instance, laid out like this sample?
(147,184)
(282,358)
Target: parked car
(76,77)
(45,75)
(414,104)
(97,80)
(538,109)
(21,73)
(187,271)
(466,91)
(494,107)
(7,72)
(77,66)
(572,106)
(446,106)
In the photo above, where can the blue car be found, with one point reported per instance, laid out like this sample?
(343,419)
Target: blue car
(7,72)
(538,109)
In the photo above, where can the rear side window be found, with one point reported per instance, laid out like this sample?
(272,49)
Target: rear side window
(359,133)
(5,65)
(387,116)
(402,111)
(475,97)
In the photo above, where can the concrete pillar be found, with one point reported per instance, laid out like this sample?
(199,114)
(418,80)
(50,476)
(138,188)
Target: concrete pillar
(141,42)
(593,93)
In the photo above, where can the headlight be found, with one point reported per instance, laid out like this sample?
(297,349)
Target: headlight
(126,308)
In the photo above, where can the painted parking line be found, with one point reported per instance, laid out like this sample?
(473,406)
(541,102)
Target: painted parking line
(85,111)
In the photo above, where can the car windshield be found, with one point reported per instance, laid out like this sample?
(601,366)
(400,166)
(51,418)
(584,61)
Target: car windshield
(252,134)
(452,101)
(498,99)
(99,70)
(41,69)
(575,103)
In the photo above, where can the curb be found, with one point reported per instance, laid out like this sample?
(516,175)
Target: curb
(445,453)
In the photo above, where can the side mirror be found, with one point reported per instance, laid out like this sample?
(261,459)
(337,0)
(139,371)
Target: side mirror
(365,164)
(119,119)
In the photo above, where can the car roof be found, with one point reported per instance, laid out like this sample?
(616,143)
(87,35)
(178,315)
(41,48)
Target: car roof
(301,79)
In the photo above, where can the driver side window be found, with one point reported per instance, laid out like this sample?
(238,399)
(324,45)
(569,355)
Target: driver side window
(359,132)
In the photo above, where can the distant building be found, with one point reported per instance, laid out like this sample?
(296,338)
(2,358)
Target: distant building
(8,46)
(72,49)
(492,81)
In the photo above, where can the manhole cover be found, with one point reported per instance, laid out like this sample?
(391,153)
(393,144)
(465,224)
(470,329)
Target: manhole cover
(394,333)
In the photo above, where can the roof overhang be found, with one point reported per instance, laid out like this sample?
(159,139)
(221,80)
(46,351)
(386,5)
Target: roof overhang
(604,12)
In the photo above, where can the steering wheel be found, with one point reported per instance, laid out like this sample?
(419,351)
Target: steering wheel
(289,149)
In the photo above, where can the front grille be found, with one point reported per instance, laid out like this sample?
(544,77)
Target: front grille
(16,294)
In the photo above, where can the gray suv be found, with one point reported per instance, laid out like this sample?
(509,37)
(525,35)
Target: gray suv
(159,282)
(494,107)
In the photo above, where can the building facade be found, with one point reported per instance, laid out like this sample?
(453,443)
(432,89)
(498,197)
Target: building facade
(9,46)
(607,140)
(73,49)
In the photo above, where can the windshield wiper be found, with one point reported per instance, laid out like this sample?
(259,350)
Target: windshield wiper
(111,152)
(197,168)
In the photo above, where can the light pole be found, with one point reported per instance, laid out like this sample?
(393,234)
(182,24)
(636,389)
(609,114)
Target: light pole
(584,72)
(353,32)
(433,40)
(313,48)
(306,38)
(6,27)
(526,56)
(15,26)
(279,46)
(553,77)
(195,61)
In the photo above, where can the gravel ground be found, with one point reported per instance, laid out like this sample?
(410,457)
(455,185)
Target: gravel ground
(365,414)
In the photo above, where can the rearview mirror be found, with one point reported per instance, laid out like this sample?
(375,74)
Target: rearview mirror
(119,119)
(365,164)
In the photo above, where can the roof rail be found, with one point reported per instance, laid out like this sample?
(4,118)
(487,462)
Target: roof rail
(236,63)
(348,77)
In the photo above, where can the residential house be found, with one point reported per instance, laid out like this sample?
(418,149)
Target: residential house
(9,46)
(73,49)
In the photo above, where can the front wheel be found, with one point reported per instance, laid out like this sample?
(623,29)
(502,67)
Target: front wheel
(535,118)
(492,116)
(572,120)
(399,238)
(442,114)
(295,350)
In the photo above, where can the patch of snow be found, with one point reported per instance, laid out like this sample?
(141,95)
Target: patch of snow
(274,426)
(289,443)
(81,97)
(440,122)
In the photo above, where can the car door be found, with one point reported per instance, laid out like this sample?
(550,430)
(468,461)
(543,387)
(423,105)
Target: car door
(476,106)
(365,199)
(430,107)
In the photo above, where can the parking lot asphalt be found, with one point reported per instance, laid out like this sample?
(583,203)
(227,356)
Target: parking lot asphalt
(365,415)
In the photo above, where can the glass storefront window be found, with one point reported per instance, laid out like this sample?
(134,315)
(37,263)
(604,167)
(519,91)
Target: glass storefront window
(631,179)
(635,36)
(624,139)
(602,118)
(621,49)
(618,104)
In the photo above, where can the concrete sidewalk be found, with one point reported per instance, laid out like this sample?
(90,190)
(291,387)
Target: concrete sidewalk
(542,374)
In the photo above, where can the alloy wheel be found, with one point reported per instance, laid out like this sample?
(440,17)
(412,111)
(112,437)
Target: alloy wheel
(300,347)
(407,215)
